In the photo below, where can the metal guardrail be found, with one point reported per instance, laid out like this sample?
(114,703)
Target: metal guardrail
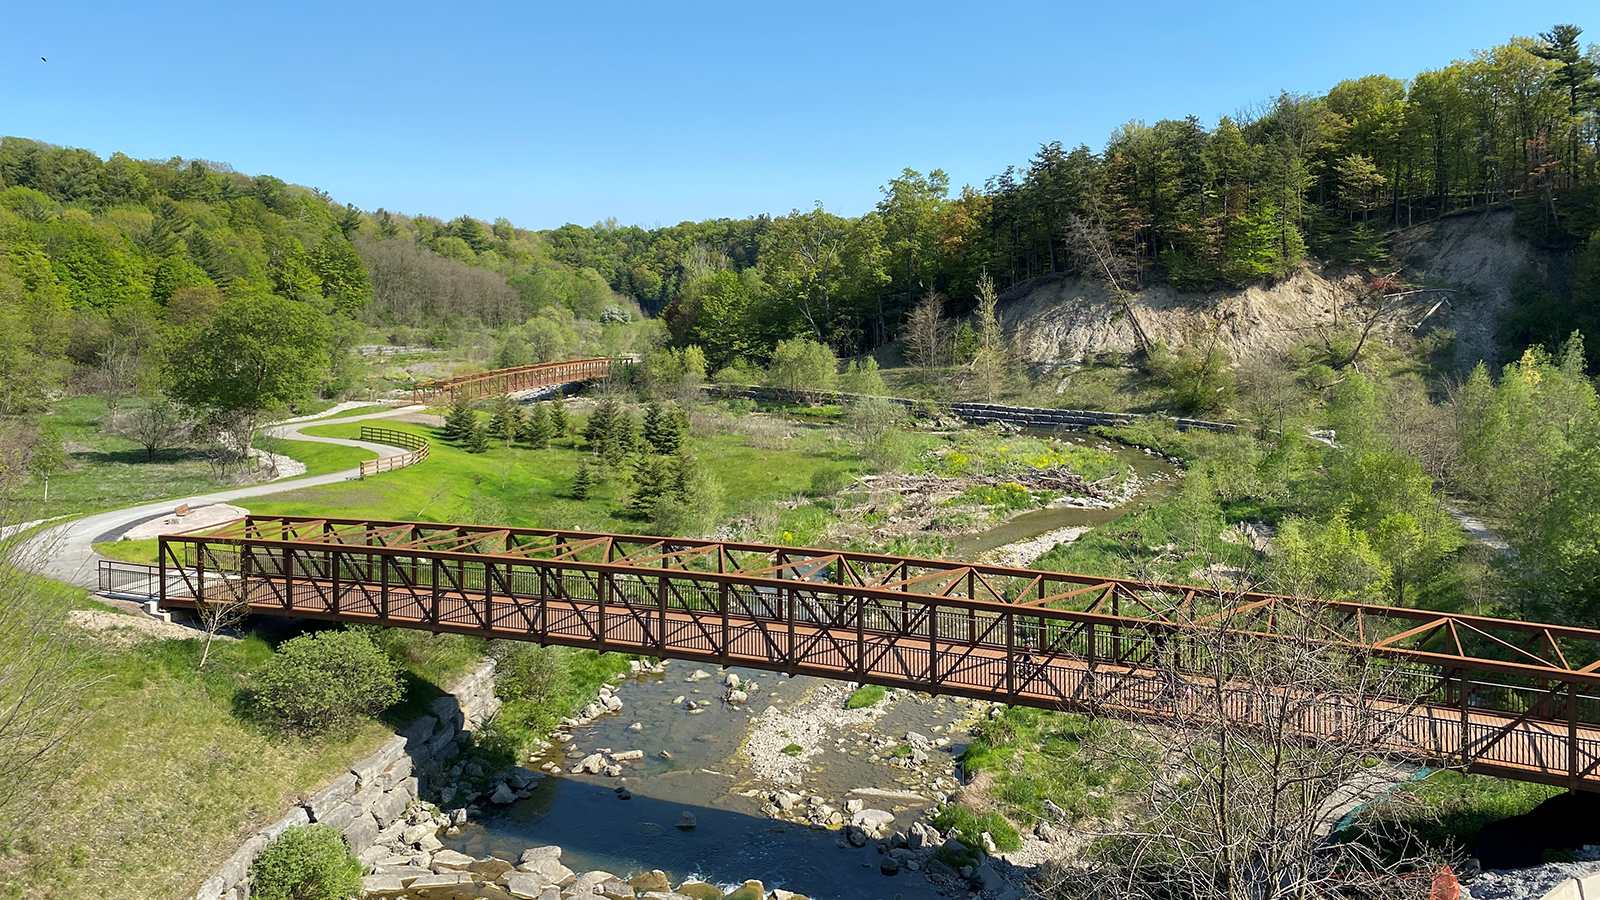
(126,579)
(415,445)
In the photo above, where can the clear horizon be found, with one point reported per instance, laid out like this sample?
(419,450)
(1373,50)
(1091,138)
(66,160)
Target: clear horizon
(655,116)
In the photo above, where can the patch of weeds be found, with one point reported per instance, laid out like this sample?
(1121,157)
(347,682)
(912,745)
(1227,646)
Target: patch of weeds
(970,827)
(864,696)
(792,750)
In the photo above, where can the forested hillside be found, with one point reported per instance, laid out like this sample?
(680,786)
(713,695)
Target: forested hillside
(102,260)
(1197,205)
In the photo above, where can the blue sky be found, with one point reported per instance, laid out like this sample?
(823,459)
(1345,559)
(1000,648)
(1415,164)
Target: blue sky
(655,113)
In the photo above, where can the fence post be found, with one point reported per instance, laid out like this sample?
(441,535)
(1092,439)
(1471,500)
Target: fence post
(722,606)
(1572,736)
(661,613)
(600,600)
(1011,643)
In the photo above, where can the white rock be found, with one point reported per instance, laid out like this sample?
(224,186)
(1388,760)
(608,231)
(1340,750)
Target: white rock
(872,821)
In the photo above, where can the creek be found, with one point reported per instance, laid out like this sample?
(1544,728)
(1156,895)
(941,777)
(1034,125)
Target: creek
(697,762)
(1157,479)
(733,839)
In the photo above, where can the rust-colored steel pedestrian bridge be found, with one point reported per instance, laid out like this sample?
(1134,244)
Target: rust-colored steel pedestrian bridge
(1509,698)
(505,381)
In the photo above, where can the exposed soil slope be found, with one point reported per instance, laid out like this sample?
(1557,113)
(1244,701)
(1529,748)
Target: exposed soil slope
(1058,319)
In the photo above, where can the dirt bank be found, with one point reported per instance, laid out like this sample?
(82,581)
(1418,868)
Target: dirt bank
(1059,319)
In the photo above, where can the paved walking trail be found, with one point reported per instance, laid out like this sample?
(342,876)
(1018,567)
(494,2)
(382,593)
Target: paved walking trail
(66,553)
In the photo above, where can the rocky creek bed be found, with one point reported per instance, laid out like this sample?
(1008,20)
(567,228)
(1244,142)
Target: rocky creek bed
(675,782)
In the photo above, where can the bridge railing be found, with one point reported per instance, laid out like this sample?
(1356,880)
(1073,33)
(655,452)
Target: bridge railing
(794,615)
(518,378)
(415,445)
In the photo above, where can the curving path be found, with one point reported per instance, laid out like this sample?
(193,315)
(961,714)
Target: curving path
(66,552)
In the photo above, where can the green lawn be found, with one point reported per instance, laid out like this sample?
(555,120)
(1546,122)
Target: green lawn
(105,471)
(532,488)
(319,459)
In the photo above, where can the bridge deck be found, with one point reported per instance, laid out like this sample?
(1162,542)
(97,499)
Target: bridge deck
(1498,743)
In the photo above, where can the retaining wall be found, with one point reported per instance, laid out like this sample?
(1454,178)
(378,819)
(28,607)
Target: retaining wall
(368,803)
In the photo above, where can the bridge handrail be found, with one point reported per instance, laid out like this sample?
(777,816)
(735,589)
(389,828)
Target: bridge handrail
(806,611)
(513,378)
(416,446)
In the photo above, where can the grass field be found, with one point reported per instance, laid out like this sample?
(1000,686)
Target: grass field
(105,471)
(533,488)
(168,778)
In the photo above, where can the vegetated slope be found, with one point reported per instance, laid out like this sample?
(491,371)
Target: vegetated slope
(1065,318)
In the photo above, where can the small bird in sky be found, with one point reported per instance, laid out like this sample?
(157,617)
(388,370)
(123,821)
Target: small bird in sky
(42,59)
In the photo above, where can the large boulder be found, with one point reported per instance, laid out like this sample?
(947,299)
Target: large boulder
(340,817)
(535,853)
(399,771)
(361,833)
(872,821)
(653,880)
(700,890)
(547,868)
(448,879)
(452,861)
(389,808)
(750,890)
(588,882)
(502,795)
(922,836)
(373,884)
(525,885)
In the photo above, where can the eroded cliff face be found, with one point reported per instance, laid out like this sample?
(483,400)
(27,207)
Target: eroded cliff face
(1059,319)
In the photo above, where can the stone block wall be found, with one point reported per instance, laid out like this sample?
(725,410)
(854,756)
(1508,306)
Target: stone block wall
(368,803)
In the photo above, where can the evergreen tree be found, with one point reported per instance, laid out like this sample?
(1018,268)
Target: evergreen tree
(558,418)
(597,431)
(583,482)
(664,427)
(621,438)
(459,420)
(506,422)
(653,478)
(478,439)
(537,431)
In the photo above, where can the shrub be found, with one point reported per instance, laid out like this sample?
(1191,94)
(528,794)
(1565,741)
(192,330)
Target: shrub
(970,827)
(324,682)
(306,863)
(866,695)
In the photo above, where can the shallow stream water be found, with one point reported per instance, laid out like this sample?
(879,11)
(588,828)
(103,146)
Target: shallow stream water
(732,840)
(1158,478)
